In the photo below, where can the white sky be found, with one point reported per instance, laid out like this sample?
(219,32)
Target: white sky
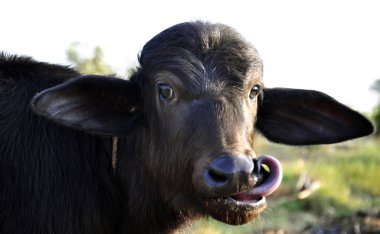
(327,45)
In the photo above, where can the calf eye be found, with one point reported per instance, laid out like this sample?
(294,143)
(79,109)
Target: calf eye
(254,91)
(165,92)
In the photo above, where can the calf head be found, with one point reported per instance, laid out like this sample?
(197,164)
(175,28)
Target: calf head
(196,100)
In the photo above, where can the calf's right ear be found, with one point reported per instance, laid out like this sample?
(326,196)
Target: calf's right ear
(96,104)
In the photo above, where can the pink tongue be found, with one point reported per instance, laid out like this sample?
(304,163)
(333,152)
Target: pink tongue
(269,185)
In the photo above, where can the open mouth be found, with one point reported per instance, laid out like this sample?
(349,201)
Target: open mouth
(242,207)
(247,199)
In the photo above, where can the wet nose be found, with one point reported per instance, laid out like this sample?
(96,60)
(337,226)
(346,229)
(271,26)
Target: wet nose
(228,174)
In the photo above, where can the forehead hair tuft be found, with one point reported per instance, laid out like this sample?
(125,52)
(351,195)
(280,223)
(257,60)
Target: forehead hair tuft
(200,47)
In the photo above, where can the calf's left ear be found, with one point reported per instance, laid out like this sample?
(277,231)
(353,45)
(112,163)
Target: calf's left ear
(95,104)
(306,117)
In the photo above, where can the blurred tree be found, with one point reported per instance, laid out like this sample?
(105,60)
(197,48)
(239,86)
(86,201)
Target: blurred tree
(93,65)
(376,86)
(376,112)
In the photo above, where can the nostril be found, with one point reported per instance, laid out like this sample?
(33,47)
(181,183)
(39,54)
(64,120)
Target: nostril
(217,176)
(261,173)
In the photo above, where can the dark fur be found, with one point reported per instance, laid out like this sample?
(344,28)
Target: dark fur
(56,179)
(53,179)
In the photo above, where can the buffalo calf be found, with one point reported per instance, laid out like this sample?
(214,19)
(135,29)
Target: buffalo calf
(185,122)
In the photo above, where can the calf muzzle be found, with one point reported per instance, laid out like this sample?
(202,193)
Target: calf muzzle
(237,175)
(234,188)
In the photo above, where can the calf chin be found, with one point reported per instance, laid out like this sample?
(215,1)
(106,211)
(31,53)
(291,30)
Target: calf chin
(234,214)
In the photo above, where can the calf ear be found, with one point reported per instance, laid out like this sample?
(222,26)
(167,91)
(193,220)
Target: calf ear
(305,117)
(96,104)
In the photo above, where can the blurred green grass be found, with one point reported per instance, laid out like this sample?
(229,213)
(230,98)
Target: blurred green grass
(349,175)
